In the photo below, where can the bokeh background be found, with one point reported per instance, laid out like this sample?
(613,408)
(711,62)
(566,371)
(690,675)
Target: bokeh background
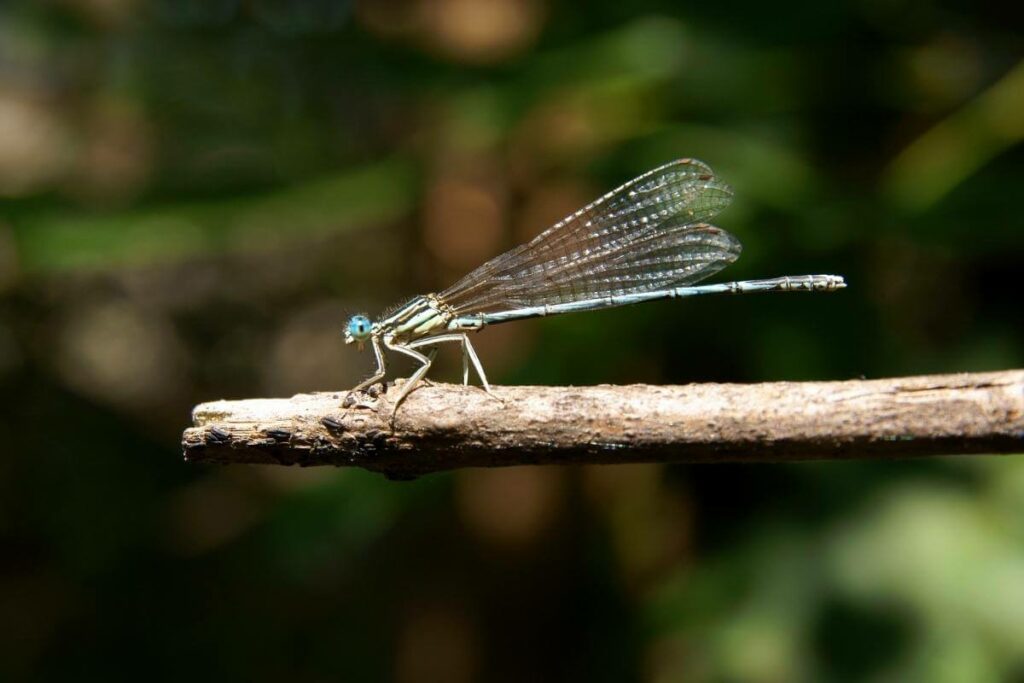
(195,194)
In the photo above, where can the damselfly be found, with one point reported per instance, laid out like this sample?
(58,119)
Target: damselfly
(645,240)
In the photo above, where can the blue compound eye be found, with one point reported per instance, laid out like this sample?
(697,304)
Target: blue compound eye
(359,327)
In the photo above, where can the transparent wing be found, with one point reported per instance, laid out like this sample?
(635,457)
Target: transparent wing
(647,234)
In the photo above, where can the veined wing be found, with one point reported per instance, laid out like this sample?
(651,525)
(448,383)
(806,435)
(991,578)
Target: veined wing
(645,235)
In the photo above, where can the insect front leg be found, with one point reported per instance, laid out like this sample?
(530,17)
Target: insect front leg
(381,367)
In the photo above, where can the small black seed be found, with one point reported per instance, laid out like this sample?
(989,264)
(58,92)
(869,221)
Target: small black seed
(332,424)
(218,435)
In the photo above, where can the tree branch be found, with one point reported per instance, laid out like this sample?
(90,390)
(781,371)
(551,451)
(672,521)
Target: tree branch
(443,427)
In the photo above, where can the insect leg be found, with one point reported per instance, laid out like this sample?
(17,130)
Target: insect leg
(381,367)
(468,350)
(414,379)
(468,354)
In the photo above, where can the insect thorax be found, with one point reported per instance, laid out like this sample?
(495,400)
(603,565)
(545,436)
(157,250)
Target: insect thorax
(420,317)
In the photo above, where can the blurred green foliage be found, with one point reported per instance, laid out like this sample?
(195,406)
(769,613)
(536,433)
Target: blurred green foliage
(193,196)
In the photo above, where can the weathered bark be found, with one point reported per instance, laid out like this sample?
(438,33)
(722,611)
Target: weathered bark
(442,427)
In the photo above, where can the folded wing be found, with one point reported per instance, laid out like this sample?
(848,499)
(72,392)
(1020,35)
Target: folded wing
(646,235)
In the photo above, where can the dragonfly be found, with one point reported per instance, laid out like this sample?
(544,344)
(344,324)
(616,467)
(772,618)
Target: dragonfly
(647,239)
